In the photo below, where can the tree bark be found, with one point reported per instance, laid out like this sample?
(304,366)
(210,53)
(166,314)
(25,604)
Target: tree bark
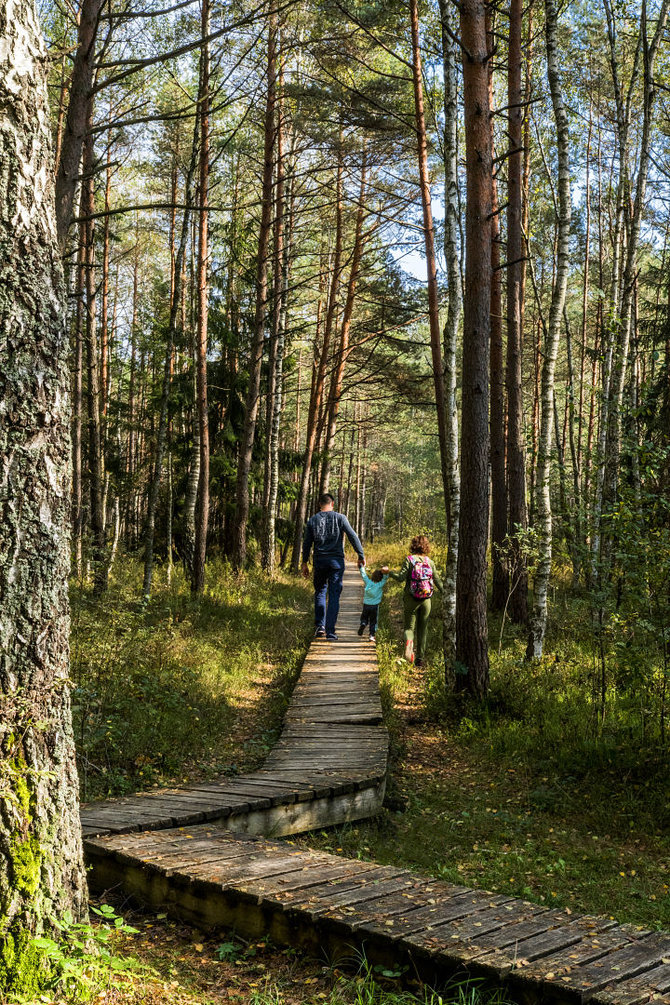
(280,292)
(255,362)
(99,551)
(335,392)
(500,576)
(471,621)
(446,455)
(202,504)
(543,523)
(77,115)
(77,396)
(177,273)
(450,333)
(516,461)
(41,864)
(316,398)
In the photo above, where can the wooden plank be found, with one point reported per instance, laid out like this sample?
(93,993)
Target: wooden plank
(552,967)
(626,961)
(494,912)
(318,880)
(242,872)
(423,918)
(649,985)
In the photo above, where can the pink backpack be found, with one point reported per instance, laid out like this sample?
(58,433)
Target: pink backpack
(421,578)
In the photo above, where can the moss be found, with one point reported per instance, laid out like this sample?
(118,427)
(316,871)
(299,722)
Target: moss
(21,789)
(23,967)
(26,859)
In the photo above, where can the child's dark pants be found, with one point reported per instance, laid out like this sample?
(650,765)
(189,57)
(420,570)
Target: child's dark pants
(369,617)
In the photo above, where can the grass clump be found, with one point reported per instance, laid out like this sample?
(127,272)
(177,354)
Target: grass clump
(181,688)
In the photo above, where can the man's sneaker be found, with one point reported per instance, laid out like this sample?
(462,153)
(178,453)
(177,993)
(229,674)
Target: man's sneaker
(319,633)
(372,638)
(409,651)
(361,629)
(332,637)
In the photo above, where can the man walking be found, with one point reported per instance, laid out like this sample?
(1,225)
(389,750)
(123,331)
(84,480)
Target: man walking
(326,530)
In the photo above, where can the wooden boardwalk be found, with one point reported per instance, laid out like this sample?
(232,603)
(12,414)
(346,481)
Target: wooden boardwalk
(328,767)
(191,851)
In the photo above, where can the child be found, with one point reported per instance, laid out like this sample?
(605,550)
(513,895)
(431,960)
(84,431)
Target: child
(374,588)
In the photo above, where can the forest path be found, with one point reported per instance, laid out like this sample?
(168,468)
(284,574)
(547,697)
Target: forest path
(194,851)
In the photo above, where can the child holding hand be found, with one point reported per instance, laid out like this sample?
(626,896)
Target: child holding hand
(374,589)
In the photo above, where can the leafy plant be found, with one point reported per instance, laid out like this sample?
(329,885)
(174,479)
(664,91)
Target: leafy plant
(78,960)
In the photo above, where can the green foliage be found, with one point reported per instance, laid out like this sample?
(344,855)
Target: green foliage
(75,963)
(157,690)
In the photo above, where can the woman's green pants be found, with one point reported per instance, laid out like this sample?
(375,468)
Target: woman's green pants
(417,613)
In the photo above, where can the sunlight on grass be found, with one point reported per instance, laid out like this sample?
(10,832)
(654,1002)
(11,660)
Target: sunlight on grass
(181,688)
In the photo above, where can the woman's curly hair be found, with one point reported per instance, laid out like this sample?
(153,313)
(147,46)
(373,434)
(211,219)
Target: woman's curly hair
(420,545)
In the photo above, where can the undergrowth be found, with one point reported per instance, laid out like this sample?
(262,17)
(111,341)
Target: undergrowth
(181,688)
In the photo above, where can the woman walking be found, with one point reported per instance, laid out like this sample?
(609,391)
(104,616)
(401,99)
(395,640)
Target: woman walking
(420,578)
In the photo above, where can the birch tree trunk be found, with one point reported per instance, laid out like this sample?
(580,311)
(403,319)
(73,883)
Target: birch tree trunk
(624,321)
(41,866)
(543,521)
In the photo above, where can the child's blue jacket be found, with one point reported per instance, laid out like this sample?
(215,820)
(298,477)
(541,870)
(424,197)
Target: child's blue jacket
(373,591)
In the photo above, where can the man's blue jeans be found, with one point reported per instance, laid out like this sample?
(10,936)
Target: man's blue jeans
(327,579)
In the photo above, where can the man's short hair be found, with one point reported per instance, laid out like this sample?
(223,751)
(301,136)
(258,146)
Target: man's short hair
(326,498)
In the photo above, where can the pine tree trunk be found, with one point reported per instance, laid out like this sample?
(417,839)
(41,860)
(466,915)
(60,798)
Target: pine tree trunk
(516,461)
(253,392)
(177,273)
(471,619)
(319,379)
(202,504)
(72,142)
(41,865)
(543,522)
(335,393)
(280,292)
(449,633)
(450,333)
(99,551)
(500,577)
(77,397)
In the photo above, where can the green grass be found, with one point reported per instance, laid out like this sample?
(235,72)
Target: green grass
(181,689)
